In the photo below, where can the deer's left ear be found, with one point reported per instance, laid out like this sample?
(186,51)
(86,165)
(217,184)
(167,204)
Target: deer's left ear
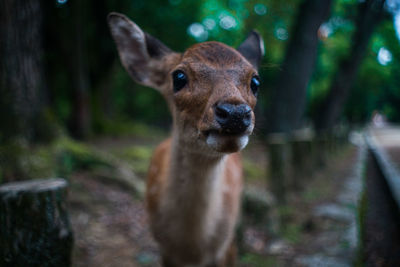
(252,48)
(141,54)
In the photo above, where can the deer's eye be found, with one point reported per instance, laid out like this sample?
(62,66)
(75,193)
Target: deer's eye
(180,80)
(255,84)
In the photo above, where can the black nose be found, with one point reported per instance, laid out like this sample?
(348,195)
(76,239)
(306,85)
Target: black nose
(233,119)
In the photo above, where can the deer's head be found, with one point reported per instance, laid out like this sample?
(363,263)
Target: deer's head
(211,88)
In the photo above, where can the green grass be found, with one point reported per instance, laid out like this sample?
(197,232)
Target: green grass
(255,260)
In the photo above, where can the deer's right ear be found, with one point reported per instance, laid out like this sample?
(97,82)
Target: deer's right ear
(139,51)
(253,48)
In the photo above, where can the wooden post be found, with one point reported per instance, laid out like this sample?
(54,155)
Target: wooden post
(301,158)
(321,146)
(34,224)
(278,150)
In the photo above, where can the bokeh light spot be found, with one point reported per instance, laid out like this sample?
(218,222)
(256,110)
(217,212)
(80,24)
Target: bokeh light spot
(281,34)
(384,56)
(260,9)
(227,22)
(209,23)
(198,31)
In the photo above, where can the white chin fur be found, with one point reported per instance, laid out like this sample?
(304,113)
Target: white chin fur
(224,143)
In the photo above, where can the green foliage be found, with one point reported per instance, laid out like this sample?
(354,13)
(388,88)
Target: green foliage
(378,86)
(334,46)
(254,260)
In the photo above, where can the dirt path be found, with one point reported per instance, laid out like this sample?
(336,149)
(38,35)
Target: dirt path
(110,225)
(334,240)
(321,225)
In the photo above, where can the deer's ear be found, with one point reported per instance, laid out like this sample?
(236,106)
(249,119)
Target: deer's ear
(140,52)
(252,48)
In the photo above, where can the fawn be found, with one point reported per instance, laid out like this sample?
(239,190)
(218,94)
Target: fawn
(195,177)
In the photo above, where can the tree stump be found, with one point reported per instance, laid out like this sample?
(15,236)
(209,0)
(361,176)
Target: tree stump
(34,224)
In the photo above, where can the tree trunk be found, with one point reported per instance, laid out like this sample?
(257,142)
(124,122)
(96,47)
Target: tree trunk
(370,14)
(21,70)
(22,88)
(81,115)
(35,229)
(288,99)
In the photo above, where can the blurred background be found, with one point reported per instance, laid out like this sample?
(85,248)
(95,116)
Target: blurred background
(68,109)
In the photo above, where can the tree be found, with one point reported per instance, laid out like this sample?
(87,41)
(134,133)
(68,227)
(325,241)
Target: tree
(23,92)
(370,13)
(21,69)
(81,115)
(288,98)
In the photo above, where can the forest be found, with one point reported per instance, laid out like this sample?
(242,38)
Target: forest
(69,109)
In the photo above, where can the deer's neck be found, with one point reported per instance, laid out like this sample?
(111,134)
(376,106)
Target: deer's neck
(194,172)
(194,187)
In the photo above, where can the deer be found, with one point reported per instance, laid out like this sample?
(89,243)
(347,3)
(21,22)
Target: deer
(194,182)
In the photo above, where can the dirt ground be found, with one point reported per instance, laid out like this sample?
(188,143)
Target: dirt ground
(111,229)
(317,226)
(109,224)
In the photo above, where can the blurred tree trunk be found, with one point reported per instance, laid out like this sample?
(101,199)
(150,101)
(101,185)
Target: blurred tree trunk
(21,68)
(23,115)
(288,98)
(103,66)
(370,13)
(81,115)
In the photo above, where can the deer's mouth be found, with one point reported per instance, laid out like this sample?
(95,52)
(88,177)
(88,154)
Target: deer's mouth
(222,141)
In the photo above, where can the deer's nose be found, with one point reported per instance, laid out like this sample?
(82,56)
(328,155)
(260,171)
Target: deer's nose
(233,119)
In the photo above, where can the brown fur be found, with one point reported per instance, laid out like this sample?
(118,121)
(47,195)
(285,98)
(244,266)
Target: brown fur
(157,182)
(194,180)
